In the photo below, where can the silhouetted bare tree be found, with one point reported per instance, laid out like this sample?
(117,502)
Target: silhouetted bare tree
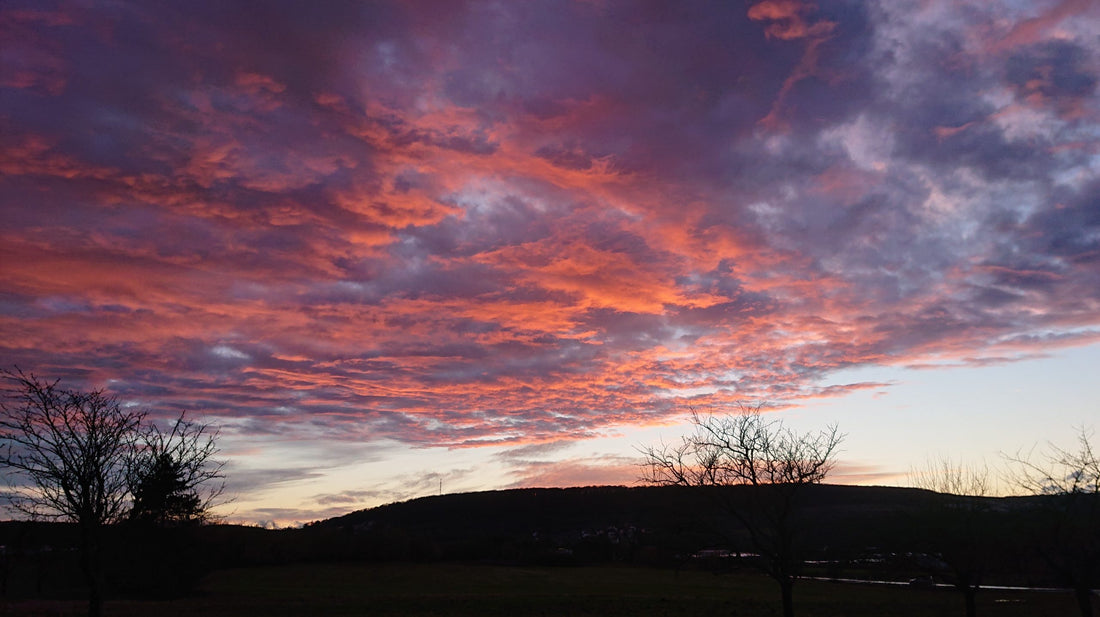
(82,457)
(71,450)
(747,448)
(1068,536)
(172,477)
(958,522)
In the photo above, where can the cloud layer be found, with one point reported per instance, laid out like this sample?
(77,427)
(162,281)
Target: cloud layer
(457,224)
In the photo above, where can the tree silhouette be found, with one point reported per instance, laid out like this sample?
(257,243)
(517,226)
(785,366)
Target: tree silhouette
(161,496)
(72,451)
(1067,532)
(958,524)
(773,462)
(172,477)
(82,457)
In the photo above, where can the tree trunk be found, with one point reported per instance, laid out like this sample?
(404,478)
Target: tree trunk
(92,567)
(95,600)
(1084,599)
(786,587)
(971,593)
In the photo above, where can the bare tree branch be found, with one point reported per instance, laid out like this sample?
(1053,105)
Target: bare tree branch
(943,475)
(72,448)
(1068,539)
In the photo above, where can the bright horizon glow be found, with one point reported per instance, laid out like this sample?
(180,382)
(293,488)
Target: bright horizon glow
(924,415)
(393,249)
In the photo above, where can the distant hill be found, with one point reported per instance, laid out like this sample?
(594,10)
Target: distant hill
(559,509)
(841,527)
(580,501)
(614,522)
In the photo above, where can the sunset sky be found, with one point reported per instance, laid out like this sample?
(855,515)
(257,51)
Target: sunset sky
(398,248)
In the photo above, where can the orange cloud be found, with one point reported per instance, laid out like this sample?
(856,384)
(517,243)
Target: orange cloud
(790,21)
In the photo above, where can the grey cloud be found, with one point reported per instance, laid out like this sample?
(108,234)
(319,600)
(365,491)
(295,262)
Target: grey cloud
(1055,69)
(569,158)
(533,451)
(255,480)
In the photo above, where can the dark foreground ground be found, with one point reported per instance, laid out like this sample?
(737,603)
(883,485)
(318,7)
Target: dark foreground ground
(486,591)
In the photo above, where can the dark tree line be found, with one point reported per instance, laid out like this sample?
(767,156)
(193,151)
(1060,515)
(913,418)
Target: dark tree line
(757,471)
(82,457)
(1067,531)
(1060,529)
(960,528)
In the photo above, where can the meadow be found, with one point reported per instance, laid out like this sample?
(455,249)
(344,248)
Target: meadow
(455,589)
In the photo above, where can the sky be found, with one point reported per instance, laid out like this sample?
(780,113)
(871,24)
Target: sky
(396,249)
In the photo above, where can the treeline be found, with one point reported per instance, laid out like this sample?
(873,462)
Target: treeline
(844,531)
(851,532)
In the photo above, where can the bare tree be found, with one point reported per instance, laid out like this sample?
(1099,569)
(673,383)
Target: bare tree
(173,477)
(958,522)
(1058,471)
(83,457)
(70,452)
(1068,533)
(772,461)
(943,475)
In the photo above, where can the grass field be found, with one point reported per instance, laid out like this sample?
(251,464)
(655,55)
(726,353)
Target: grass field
(488,591)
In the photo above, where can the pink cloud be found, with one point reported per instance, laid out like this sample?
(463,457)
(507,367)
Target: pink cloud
(1038,28)
(613,471)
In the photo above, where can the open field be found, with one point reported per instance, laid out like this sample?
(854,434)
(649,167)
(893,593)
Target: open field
(487,591)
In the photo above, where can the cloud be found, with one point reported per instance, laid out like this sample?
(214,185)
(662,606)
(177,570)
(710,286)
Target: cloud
(256,480)
(862,474)
(787,19)
(508,224)
(593,471)
(535,450)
